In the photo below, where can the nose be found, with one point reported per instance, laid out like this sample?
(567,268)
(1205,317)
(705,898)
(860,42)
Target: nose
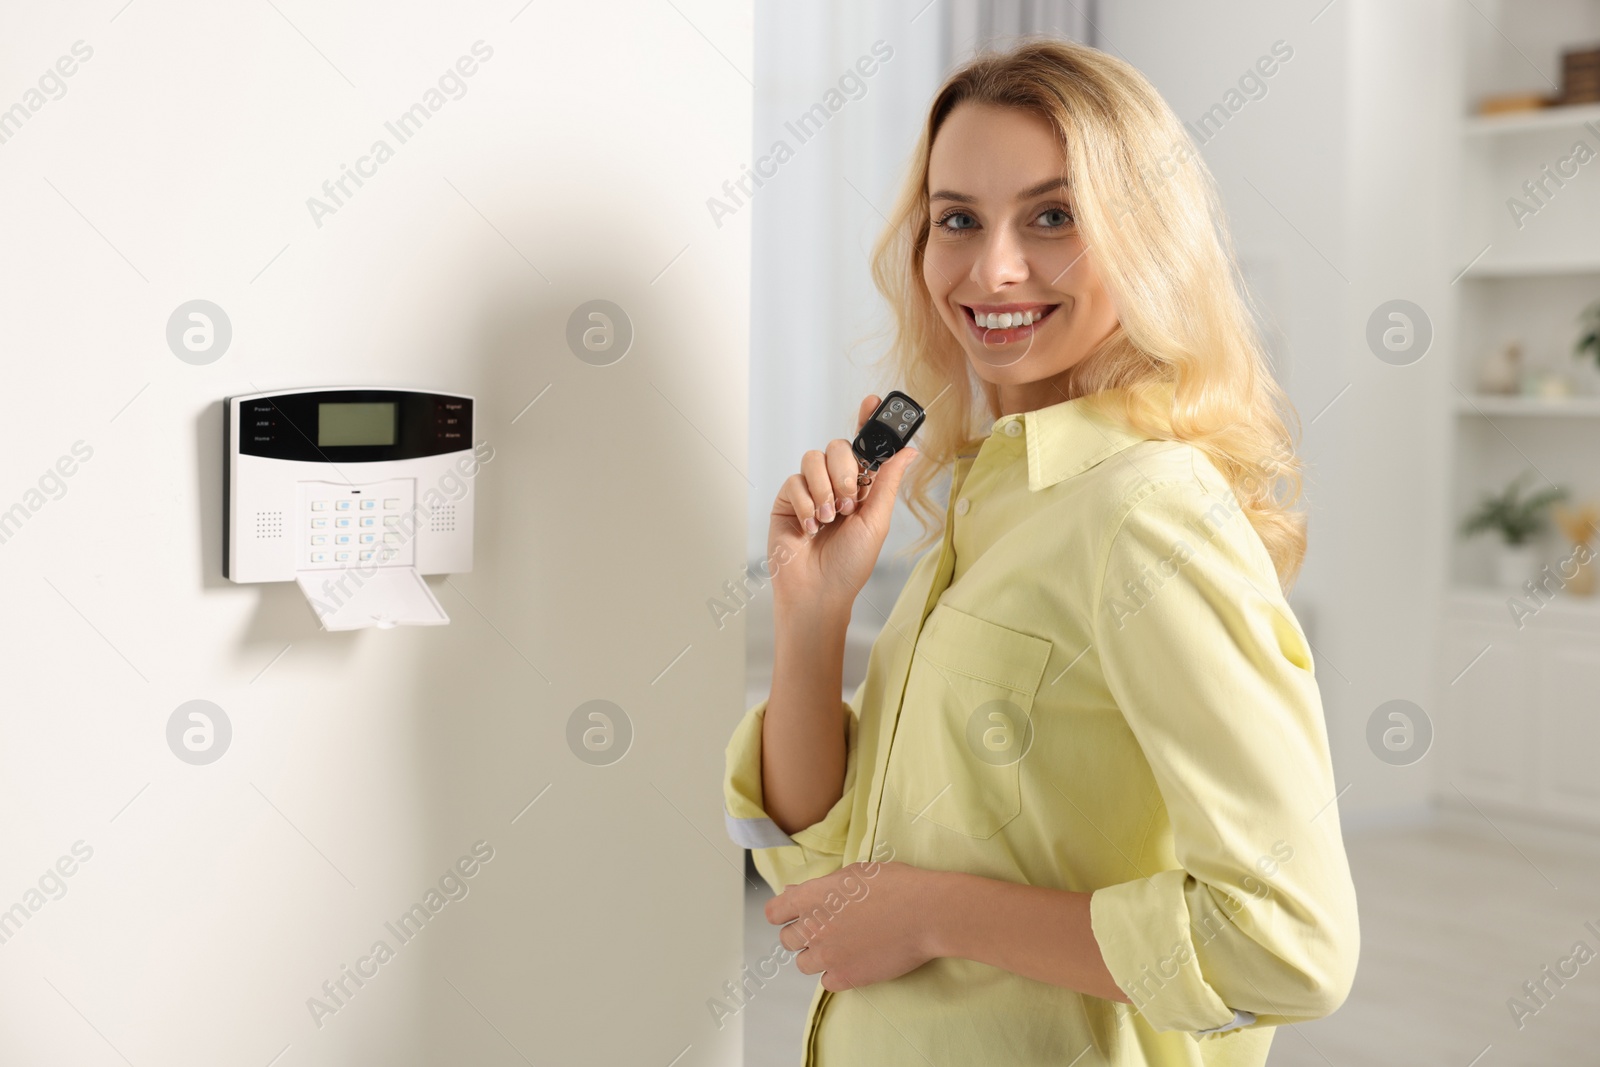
(1000,261)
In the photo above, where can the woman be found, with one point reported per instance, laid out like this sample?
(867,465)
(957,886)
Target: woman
(1081,809)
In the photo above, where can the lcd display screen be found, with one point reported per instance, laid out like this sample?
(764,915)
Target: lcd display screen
(356,424)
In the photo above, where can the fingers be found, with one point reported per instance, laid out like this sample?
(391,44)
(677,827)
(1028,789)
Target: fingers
(895,467)
(842,464)
(792,937)
(797,939)
(886,483)
(814,468)
(867,405)
(842,470)
(826,488)
(798,496)
(781,908)
(831,480)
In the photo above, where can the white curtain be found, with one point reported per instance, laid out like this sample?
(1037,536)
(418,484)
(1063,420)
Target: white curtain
(973,24)
(815,217)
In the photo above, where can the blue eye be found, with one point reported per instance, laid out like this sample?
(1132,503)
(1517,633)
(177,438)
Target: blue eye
(949,216)
(1064,217)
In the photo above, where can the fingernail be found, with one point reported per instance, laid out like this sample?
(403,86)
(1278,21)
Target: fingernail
(847,505)
(825,513)
(811,526)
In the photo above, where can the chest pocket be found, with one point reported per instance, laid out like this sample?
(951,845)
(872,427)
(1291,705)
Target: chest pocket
(966,722)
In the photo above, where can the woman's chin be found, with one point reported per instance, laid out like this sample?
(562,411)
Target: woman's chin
(1039,366)
(1004,363)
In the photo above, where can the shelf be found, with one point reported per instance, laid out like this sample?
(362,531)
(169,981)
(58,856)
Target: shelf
(1562,605)
(1490,269)
(1544,118)
(1528,406)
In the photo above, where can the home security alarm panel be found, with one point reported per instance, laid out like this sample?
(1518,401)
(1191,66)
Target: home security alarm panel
(353,493)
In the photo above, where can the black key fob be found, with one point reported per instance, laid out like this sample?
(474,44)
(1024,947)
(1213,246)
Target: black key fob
(887,431)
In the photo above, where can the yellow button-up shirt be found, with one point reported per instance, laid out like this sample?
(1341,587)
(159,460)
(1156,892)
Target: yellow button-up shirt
(1094,684)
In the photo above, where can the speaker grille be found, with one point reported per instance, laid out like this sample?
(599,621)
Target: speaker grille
(443,519)
(269,525)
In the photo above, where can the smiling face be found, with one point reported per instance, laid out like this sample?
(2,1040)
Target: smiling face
(1005,264)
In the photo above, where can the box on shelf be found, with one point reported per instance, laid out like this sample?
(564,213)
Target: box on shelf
(1580,76)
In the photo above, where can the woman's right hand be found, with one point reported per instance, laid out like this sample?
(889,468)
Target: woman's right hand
(826,532)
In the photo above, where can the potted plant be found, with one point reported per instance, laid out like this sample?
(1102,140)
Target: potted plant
(1588,344)
(1589,319)
(1518,520)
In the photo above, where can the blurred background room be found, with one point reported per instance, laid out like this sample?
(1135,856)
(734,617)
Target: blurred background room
(1415,206)
(214,806)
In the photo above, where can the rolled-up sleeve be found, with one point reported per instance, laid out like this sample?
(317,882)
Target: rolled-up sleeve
(1201,653)
(785,859)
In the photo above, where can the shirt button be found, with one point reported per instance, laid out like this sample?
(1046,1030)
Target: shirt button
(1013,427)
(962,505)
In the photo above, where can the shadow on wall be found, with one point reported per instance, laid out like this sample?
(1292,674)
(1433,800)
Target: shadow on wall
(463,787)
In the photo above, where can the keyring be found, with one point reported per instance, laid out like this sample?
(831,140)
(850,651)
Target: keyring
(864,475)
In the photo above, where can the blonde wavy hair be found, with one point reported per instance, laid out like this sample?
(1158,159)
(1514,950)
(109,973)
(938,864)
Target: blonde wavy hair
(1184,363)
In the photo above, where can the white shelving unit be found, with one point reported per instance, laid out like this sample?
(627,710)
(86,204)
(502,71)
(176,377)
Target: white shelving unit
(1572,117)
(1520,698)
(1502,267)
(1489,405)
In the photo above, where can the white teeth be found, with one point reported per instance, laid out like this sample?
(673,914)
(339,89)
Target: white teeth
(1005,320)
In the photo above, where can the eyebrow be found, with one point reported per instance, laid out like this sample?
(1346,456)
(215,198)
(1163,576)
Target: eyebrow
(1026,194)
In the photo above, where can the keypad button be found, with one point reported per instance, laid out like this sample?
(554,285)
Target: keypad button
(319,539)
(343,505)
(366,554)
(341,556)
(391,538)
(391,502)
(342,520)
(319,524)
(319,505)
(368,539)
(391,520)
(319,557)
(368,505)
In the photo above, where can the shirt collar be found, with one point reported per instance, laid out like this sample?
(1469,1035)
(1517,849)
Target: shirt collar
(1064,439)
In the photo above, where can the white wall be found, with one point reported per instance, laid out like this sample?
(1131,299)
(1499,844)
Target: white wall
(1337,187)
(219,898)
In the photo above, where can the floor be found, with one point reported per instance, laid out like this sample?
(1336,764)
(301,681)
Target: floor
(1456,915)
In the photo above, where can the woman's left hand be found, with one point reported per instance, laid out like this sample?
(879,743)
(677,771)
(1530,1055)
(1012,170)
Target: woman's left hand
(863,923)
